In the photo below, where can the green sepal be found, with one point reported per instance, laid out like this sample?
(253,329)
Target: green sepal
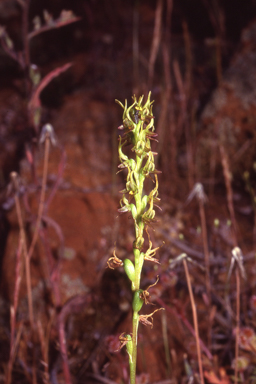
(138,243)
(144,203)
(119,102)
(129,346)
(136,253)
(137,300)
(133,211)
(129,269)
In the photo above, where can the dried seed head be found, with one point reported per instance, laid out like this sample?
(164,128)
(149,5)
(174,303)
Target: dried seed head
(237,257)
(124,339)
(145,294)
(148,319)
(48,132)
(114,262)
(14,185)
(198,192)
(34,74)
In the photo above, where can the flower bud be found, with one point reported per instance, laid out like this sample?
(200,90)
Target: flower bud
(129,269)
(129,346)
(133,211)
(139,242)
(144,203)
(137,300)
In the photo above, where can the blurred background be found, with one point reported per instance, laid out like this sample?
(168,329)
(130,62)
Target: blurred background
(198,58)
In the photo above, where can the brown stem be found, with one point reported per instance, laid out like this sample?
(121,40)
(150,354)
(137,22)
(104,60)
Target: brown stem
(12,355)
(193,305)
(155,42)
(25,32)
(227,177)
(42,197)
(13,311)
(44,350)
(27,260)
(26,51)
(63,349)
(206,249)
(135,45)
(187,324)
(166,344)
(182,123)
(237,323)
(207,264)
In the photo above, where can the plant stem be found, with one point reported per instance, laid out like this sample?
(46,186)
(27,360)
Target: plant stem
(27,261)
(139,259)
(193,305)
(228,179)
(133,362)
(166,344)
(206,250)
(42,196)
(237,323)
(138,126)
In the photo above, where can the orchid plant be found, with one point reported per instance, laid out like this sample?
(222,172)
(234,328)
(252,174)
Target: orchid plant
(138,131)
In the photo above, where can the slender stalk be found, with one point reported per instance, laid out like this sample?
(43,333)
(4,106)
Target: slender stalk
(174,312)
(228,178)
(237,254)
(133,363)
(63,349)
(13,312)
(193,305)
(166,127)
(26,50)
(166,345)
(138,126)
(135,45)
(44,350)
(25,250)
(156,41)
(207,267)
(12,355)
(206,249)
(25,31)
(237,323)
(42,196)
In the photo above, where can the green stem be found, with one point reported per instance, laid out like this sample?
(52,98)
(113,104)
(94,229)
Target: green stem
(133,361)
(139,260)
(138,126)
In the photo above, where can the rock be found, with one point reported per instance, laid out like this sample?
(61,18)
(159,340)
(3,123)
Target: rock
(83,208)
(230,116)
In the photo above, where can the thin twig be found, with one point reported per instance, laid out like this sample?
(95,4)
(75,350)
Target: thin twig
(14,178)
(237,323)
(187,324)
(44,351)
(42,197)
(193,305)
(13,312)
(155,41)
(227,178)
(63,349)
(182,124)
(206,249)
(135,45)
(166,343)
(13,354)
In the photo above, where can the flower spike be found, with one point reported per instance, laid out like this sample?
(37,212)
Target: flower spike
(137,132)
